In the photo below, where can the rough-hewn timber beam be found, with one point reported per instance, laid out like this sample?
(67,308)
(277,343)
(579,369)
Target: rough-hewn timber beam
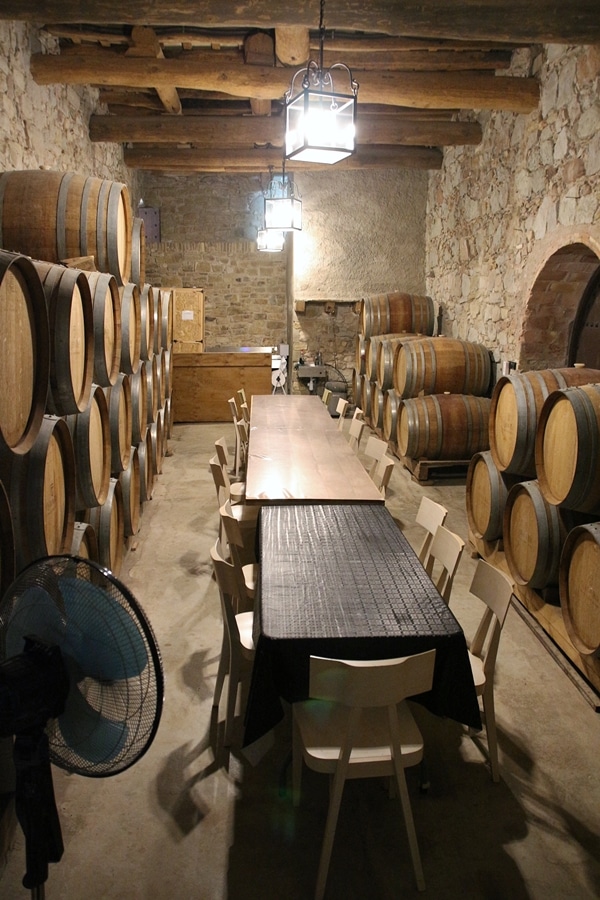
(192,160)
(144,44)
(572,21)
(228,74)
(220,131)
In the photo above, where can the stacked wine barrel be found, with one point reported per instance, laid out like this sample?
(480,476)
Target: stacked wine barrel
(538,490)
(85,370)
(428,396)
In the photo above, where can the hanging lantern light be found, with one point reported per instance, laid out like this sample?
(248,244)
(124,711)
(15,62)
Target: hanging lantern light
(320,123)
(283,206)
(270,241)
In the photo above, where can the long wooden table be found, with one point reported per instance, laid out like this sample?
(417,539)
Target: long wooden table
(297,454)
(342,581)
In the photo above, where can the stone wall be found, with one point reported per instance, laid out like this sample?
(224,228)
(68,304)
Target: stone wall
(499,211)
(47,126)
(244,290)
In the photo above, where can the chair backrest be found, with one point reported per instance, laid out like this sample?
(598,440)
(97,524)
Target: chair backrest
(494,588)
(326,396)
(221,480)
(233,407)
(227,583)
(245,412)
(233,535)
(242,395)
(358,414)
(222,452)
(375,450)
(383,473)
(444,554)
(355,433)
(430,516)
(342,406)
(370,683)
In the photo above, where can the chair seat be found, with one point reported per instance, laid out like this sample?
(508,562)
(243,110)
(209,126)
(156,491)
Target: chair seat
(251,571)
(478,673)
(321,725)
(245,624)
(246,515)
(237,491)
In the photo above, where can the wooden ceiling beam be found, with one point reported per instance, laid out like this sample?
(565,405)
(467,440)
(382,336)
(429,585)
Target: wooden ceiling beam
(292,45)
(227,73)
(571,21)
(219,131)
(145,45)
(193,160)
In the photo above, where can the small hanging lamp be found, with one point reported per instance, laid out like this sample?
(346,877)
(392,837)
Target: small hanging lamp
(270,241)
(320,123)
(283,206)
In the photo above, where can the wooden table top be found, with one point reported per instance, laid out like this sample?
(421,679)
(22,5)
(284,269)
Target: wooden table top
(296,453)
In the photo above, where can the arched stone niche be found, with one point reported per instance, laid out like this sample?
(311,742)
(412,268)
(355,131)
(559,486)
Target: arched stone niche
(559,272)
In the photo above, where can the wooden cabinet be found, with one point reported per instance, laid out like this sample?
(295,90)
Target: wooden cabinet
(204,382)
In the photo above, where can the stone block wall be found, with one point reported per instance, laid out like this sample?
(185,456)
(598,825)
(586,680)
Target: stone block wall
(47,126)
(497,213)
(244,290)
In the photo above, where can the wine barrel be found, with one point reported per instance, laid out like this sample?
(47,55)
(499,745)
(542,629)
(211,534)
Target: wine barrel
(517,401)
(377,396)
(442,365)
(61,215)
(138,251)
(90,431)
(139,404)
(7,543)
(118,399)
(579,587)
(567,448)
(106,305)
(131,328)
(85,543)
(157,323)
(395,313)
(533,536)
(359,353)
(391,402)
(70,319)
(386,351)
(147,320)
(145,454)
(109,524)
(24,352)
(486,492)
(168,376)
(365,397)
(130,486)
(166,328)
(443,426)
(42,494)
(152,389)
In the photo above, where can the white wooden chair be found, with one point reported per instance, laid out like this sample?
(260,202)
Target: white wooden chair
(342,406)
(235,415)
(237,649)
(444,557)
(358,724)
(375,450)
(246,515)
(383,473)
(237,488)
(492,587)
(429,515)
(357,427)
(326,396)
(242,553)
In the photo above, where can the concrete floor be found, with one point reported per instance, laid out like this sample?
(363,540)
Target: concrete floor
(188,822)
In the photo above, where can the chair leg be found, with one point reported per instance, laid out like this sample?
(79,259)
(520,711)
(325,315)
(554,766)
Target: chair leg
(490,728)
(332,817)
(296,762)
(232,692)
(222,671)
(410,824)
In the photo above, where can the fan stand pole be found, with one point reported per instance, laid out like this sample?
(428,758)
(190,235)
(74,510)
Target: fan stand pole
(36,807)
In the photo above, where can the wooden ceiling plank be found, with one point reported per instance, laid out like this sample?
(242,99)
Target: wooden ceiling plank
(219,131)
(420,89)
(571,21)
(292,45)
(145,44)
(192,160)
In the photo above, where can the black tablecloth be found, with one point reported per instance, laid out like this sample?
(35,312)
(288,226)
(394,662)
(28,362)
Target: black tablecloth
(342,581)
